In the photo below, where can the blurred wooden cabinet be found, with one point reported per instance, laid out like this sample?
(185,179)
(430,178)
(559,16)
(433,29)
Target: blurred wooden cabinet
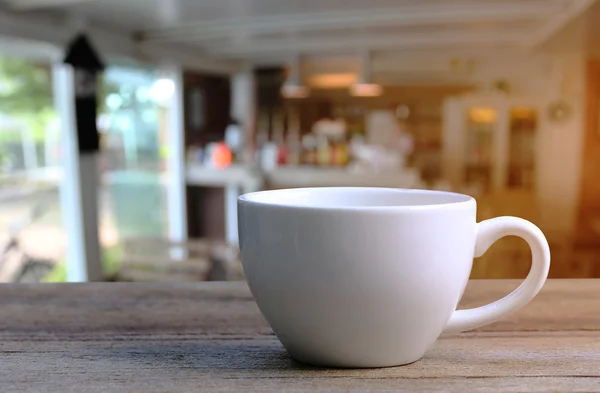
(207,102)
(588,217)
(489,151)
(489,142)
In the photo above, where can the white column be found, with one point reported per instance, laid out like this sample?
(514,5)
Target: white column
(232,191)
(242,109)
(176,170)
(78,187)
(243,100)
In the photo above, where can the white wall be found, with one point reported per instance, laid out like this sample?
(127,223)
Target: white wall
(560,149)
(547,78)
(540,78)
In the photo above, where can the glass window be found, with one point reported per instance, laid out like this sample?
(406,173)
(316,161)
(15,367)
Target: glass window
(132,122)
(32,240)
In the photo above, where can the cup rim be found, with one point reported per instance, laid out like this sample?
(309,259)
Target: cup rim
(256,198)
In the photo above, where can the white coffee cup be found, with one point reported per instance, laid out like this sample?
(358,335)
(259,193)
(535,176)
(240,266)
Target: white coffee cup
(370,277)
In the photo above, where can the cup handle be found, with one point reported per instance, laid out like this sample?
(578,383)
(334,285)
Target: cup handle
(488,232)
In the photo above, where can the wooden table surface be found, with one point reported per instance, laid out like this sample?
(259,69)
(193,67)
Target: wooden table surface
(210,337)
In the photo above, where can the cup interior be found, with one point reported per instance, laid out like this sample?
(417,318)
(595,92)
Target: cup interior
(353,197)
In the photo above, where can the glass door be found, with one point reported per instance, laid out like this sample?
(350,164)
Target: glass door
(522,136)
(482,124)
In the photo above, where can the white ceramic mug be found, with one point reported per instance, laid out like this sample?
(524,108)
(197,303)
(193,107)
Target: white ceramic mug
(370,277)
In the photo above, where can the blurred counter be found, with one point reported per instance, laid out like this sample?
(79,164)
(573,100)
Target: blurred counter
(292,177)
(238,179)
(245,177)
(252,179)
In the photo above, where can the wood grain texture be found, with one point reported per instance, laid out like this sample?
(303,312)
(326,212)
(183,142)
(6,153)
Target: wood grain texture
(210,337)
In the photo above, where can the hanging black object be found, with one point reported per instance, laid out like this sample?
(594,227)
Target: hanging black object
(86,65)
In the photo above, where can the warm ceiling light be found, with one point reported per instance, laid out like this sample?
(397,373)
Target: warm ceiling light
(290,90)
(520,112)
(366,90)
(332,81)
(293,88)
(483,115)
(364,87)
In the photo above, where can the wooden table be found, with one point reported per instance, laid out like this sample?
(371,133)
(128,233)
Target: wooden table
(210,337)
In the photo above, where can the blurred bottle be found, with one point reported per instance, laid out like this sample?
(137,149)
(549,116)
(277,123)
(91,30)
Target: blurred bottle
(234,139)
(282,154)
(339,152)
(323,151)
(278,136)
(293,147)
(218,155)
(269,156)
(309,147)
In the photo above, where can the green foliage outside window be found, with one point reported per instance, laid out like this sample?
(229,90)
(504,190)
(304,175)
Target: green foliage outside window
(26,96)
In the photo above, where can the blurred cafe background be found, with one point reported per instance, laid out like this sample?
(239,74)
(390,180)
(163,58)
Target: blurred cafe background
(202,100)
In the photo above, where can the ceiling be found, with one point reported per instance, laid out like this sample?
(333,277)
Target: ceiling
(275,30)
